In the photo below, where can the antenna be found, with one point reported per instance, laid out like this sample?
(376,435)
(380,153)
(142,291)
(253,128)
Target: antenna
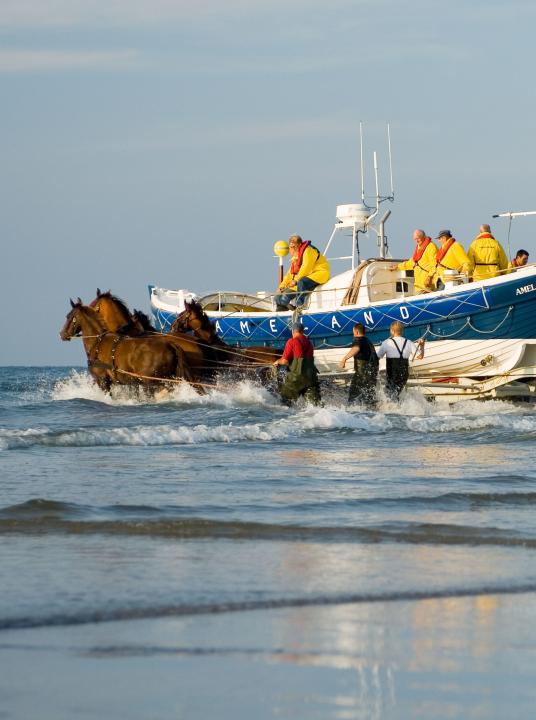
(376,178)
(390,161)
(511,216)
(362,167)
(515,214)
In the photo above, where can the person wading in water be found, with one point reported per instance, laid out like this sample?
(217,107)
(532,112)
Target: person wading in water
(397,350)
(302,376)
(363,385)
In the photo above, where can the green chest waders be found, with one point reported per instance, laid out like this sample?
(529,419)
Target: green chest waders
(301,379)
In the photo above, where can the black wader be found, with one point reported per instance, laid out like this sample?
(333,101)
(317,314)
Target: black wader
(301,380)
(363,385)
(397,373)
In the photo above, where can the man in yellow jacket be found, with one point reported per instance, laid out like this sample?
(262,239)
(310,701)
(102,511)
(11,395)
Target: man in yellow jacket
(308,269)
(450,256)
(422,262)
(486,256)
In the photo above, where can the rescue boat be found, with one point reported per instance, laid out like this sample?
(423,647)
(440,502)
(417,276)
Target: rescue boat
(480,336)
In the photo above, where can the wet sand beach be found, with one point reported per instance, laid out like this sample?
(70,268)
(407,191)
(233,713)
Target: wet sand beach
(458,657)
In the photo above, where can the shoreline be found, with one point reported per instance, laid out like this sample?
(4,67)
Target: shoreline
(450,657)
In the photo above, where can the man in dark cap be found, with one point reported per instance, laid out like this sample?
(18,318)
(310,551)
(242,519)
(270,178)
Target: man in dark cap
(302,376)
(450,256)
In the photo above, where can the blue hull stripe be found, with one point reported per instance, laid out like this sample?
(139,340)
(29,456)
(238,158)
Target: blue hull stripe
(506,310)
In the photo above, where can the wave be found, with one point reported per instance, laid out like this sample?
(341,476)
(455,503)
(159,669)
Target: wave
(297,424)
(294,424)
(38,509)
(41,517)
(274,603)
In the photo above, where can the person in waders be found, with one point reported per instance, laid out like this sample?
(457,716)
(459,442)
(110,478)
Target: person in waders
(301,379)
(363,384)
(397,350)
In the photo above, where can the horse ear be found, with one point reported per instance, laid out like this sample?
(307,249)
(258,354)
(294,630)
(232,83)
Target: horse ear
(98,292)
(71,301)
(80,301)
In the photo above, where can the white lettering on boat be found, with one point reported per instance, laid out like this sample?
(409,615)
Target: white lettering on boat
(368,318)
(525,289)
(244,326)
(404,314)
(218,326)
(334,323)
(273,326)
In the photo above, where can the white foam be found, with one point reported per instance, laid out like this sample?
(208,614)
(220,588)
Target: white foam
(80,385)
(292,425)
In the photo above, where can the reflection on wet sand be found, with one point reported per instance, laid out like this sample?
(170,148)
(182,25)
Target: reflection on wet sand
(438,642)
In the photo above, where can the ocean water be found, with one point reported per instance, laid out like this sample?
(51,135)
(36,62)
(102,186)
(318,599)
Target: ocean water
(328,562)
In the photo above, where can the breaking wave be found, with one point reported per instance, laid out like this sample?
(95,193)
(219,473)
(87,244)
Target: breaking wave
(279,426)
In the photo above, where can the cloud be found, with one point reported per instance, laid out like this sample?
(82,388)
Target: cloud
(169,137)
(32,61)
(65,13)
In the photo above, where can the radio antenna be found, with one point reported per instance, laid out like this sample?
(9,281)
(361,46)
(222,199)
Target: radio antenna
(390,162)
(511,216)
(362,166)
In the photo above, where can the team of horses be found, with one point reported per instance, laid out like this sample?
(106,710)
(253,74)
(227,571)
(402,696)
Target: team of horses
(123,348)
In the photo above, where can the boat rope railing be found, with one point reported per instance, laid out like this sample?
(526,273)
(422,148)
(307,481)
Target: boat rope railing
(226,297)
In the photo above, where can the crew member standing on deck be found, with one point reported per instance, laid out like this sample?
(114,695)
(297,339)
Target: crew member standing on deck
(397,350)
(486,256)
(309,268)
(363,385)
(302,376)
(422,262)
(450,256)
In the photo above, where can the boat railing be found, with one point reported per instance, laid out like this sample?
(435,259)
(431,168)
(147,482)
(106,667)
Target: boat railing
(231,302)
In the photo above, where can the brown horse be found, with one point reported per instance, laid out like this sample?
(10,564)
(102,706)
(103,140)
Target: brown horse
(115,314)
(195,319)
(115,358)
(116,317)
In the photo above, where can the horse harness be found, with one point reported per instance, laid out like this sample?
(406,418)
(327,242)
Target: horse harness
(94,362)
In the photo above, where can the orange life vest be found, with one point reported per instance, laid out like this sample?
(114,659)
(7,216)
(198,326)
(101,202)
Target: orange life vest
(443,250)
(419,250)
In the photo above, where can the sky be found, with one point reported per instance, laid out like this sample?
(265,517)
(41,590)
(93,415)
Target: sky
(172,142)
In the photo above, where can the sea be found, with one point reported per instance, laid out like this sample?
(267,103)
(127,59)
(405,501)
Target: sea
(224,556)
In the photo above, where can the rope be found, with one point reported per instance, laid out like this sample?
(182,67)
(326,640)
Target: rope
(198,342)
(468,323)
(171,380)
(334,290)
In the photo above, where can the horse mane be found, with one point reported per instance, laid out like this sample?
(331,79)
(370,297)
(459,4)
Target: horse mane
(117,300)
(144,321)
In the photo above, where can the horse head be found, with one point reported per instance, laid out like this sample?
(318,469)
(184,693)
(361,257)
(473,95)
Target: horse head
(140,319)
(71,327)
(112,311)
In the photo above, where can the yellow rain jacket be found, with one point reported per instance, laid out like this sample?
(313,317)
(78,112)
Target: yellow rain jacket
(423,268)
(313,265)
(454,259)
(487,257)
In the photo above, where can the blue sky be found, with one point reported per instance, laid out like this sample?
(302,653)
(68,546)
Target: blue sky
(173,142)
